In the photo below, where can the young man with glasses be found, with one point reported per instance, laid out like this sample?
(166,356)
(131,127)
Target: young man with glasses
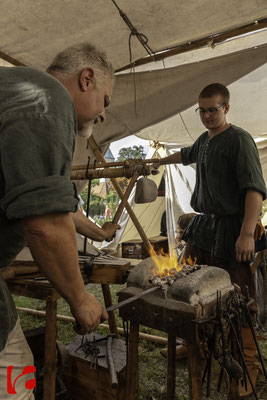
(228,198)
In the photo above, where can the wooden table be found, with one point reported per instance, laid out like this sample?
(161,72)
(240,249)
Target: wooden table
(32,285)
(177,320)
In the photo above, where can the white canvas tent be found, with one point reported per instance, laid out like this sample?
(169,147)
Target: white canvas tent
(32,32)
(179,185)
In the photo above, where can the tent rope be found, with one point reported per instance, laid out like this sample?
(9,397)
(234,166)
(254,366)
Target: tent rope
(134,32)
(142,39)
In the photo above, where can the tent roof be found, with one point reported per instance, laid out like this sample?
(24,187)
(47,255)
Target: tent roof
(32,32)
(147,98)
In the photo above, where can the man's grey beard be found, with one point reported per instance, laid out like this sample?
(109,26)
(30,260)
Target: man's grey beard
(86,130)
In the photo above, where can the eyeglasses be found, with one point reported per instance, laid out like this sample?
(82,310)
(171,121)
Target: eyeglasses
(210,110)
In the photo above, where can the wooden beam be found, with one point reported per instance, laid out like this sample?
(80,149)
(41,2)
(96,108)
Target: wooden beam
(116,164)
(11,60)
(211,41)
(127,171)
(137,224)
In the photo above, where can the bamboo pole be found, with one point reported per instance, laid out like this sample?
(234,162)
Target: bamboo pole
(65,318)
(137,224)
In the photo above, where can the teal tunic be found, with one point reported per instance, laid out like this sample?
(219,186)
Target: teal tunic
(227,165)
(37,133)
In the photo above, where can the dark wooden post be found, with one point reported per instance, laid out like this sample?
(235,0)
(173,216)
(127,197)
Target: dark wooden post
(194,369)
(132,366)
(49,383)
(171,367)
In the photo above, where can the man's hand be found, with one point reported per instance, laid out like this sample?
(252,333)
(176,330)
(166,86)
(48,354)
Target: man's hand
(244,247)
(155,166)
(245,244)
(110,230)
(88,314)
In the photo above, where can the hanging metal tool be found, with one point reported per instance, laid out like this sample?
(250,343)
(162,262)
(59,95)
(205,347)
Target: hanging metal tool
(89,177)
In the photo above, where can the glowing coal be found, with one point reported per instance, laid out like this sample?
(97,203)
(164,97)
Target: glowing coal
(189,284)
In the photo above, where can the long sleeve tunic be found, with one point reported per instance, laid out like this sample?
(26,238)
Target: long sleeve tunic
(227,165)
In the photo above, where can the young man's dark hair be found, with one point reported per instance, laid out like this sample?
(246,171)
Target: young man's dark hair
(214,89)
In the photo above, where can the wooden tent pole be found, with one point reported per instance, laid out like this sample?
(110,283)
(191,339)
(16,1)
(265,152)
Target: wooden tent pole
(138,226)
(124,200)
(113,164)
(105,286)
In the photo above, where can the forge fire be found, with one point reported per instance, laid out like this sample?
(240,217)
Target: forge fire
(186,283)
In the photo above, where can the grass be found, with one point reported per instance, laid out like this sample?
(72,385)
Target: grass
(152,366)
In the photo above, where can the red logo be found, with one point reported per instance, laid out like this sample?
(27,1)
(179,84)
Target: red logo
(30,384)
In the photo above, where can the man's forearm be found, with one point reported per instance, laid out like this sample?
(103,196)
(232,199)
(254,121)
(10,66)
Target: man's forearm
(253,206)
(52,241)
(175,158)
(87,228)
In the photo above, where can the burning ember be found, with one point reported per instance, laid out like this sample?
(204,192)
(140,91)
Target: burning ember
(173,274)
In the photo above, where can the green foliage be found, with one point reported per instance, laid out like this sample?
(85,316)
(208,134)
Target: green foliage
(131,152)
(97,206)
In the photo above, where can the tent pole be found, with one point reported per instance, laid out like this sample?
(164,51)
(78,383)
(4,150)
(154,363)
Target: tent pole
(138,226)
(124,200)
(114,164)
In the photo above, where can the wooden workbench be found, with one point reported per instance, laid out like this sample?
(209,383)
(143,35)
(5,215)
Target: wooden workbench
(34,285)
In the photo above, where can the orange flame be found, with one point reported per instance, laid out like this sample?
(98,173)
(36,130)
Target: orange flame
(168,265)
(189,261)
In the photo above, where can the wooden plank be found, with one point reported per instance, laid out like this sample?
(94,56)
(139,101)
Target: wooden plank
(106,275)
(101,270)
(31,289)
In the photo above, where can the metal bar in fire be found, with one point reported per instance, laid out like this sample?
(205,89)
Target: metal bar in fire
(133,298)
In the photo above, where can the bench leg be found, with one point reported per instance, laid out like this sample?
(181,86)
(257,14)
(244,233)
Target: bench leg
(194,371)
(171,367)
(49,382)
(132,365)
